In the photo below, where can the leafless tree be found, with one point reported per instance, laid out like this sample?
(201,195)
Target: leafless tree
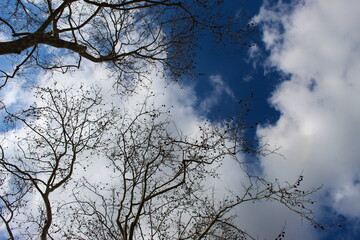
(11,201)
(159,184)
(125,35)
(47,141)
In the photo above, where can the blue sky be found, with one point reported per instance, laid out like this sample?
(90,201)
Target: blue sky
(304,75)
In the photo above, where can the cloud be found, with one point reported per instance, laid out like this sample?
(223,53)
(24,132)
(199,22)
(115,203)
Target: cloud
(181,101)
(316,45)
(219,88)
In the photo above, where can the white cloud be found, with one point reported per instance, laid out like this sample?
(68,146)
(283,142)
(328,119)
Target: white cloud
(184,113)
(317,45)
(11,92)
(179,100)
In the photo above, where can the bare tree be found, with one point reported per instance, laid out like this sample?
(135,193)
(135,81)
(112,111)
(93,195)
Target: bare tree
(11,201)
(157,183)
(160,184)
(44,154)
(126,35)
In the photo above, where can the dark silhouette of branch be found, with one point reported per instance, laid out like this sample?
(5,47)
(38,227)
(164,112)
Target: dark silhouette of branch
(124,35)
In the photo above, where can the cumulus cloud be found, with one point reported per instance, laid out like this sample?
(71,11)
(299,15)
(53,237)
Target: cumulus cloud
(180,100)
(182,103)
(316,45)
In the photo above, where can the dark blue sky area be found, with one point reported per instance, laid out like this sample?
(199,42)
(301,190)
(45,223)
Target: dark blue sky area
(233,64)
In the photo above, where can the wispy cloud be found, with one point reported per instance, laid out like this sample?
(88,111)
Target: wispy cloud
(219,88)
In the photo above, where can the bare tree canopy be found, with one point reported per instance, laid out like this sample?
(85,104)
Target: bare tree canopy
(151,181)
(124,34)
(78,163)
(46,155)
